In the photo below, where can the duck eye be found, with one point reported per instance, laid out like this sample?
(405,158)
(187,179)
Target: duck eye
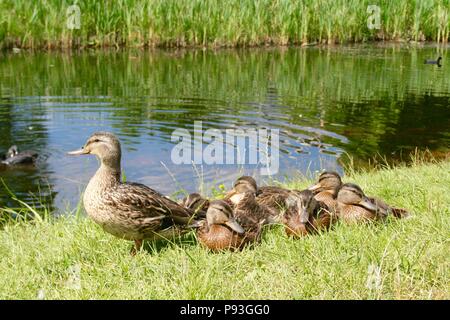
(97,140)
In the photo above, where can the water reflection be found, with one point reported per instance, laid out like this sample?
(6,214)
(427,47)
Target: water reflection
(326,102)
(19,125)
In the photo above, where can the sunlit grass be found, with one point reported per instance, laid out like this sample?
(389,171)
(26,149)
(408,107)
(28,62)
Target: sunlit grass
(412,255)
(179,23)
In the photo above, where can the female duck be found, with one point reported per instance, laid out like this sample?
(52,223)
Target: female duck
(130,211)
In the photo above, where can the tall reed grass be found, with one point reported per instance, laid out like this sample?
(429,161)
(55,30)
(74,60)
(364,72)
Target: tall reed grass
(181,23)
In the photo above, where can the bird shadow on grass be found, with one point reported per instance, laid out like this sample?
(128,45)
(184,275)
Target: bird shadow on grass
(185,242)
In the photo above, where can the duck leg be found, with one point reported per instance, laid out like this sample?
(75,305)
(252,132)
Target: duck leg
(136,248)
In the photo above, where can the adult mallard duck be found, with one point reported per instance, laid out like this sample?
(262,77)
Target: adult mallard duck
(130,211)
(220,230)
(353,206)
(14,157)
(309,216)
(327,188)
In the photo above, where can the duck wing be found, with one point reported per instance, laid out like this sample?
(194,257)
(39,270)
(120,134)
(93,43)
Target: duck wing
(143,201)
(396,212)
(274,197)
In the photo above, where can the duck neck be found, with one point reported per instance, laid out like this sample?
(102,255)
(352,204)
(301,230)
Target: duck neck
(107,175)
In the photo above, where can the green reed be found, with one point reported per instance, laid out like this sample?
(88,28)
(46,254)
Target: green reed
(181,23)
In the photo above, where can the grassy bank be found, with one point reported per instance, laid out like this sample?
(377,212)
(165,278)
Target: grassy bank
(169,23)
(44,259)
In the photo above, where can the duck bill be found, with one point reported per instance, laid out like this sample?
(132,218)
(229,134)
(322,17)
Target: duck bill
(304,216)
(369,205)
(234,226)
(77,152)
(315,187)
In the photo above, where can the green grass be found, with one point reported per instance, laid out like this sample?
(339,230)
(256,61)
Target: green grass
(179,23)
(413,255)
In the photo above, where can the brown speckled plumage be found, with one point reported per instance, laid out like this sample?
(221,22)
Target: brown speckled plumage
(278,199)
(317,216)
(130,211)
(195,202)
(354,206)
(218,238)
(248,213)
(327,188)
(220,230)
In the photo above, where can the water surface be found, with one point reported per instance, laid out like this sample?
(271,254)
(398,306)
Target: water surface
(329,103)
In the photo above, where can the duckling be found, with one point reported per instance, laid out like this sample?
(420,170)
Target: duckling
(326,189)
(353,205)
(430,61)
(249,213)
(246,186)
(240,186)
(280,200)
(195,202)
(311,216)
(221,231)
(130,211)
(14,157)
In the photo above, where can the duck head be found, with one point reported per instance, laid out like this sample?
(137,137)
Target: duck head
(306,205)
(195,202)
(245,184)
(328,181)
(12,152)
(351,194)
(105,146)
(242,186)
(220,213)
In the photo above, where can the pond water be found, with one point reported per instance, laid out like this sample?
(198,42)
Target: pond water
(328,103)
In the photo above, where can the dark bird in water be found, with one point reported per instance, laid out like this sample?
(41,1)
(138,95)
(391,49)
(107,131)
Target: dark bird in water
(14,157)
(431,61)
